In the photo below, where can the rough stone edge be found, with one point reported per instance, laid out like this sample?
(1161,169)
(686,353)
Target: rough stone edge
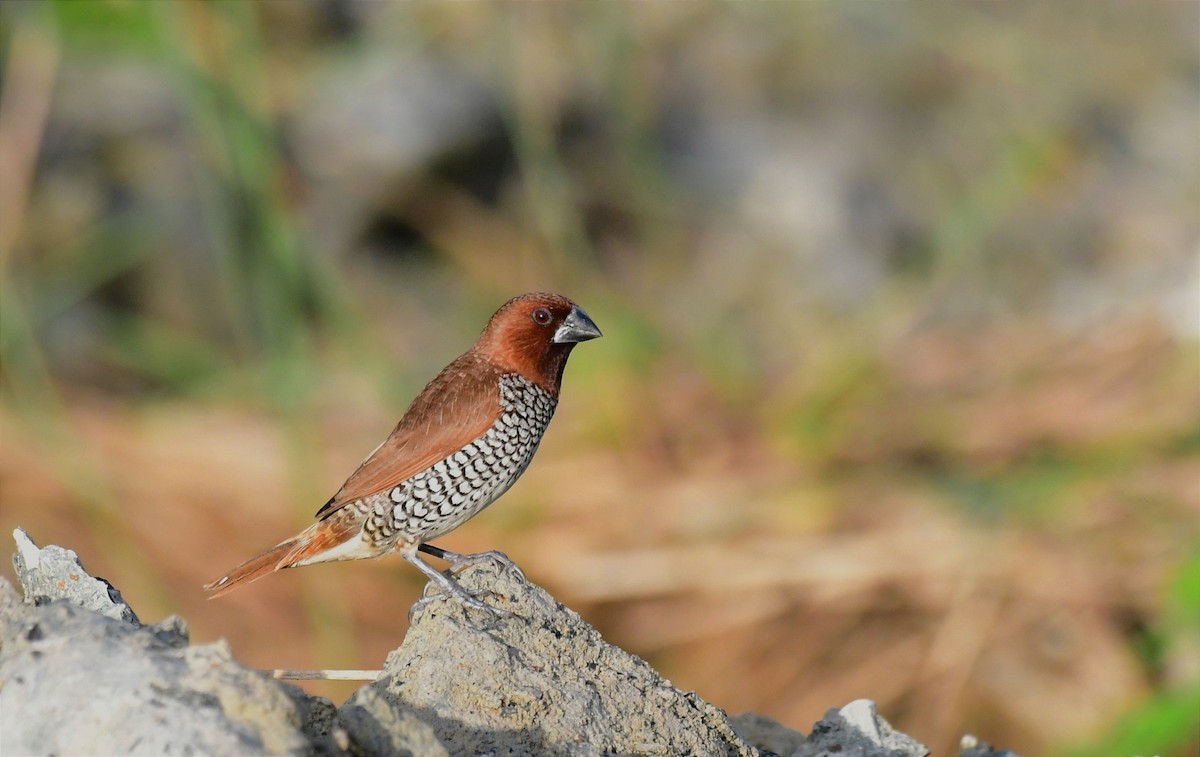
(51,573)
(54,572)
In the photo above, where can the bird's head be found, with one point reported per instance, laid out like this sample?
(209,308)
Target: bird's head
(533,334)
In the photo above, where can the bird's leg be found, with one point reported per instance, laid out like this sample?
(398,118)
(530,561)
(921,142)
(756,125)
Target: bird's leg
(447,585)
(458,561)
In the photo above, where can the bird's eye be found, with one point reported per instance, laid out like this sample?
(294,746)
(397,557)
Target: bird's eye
(541,316)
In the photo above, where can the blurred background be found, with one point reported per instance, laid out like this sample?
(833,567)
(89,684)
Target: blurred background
(899,394)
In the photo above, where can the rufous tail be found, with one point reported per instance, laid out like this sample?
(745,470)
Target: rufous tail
(254,568)
(303,548)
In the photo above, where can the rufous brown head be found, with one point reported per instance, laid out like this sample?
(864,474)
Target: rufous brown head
(533,335)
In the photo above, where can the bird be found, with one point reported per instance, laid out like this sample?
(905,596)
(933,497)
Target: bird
(463,442)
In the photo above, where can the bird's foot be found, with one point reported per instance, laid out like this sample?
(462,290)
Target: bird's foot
(459,561)
(449,587)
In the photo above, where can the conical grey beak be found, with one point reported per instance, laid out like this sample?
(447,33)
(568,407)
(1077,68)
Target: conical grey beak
(576,327)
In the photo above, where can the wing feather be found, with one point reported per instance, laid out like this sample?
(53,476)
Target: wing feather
(457,407)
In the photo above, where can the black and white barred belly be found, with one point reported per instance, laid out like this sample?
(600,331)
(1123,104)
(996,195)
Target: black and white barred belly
(451,491)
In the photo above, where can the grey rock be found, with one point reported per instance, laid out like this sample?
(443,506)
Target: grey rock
(376,727)
(857,730)
(89,679)
(537,681)
(56,573)
(318,722)
(766,734)
(80,674)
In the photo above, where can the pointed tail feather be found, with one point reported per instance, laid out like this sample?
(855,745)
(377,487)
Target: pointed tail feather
(326,540)
(254,568)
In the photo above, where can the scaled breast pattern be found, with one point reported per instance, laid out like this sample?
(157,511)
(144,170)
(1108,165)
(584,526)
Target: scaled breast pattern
(454,489)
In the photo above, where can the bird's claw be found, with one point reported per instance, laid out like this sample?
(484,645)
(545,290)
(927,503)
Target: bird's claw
(451,588)
(458,562)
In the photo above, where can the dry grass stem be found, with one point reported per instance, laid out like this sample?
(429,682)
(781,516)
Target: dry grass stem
(325,675)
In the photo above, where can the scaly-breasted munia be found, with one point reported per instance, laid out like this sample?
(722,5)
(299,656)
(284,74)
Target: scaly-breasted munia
(466,438)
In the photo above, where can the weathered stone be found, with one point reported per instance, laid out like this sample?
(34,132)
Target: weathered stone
(537,681)
(766,734)
(857,730)
(56,573)
(92,680)
(79,674)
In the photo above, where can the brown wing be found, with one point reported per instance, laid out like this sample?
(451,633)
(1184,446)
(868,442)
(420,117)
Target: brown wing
(457,407)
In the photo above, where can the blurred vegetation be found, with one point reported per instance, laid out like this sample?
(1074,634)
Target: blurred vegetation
(898,393)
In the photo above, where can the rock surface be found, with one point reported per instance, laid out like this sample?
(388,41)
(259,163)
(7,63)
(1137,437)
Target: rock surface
(80,674)
(56,573)
(857,730)
(537,681)
(88,679)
